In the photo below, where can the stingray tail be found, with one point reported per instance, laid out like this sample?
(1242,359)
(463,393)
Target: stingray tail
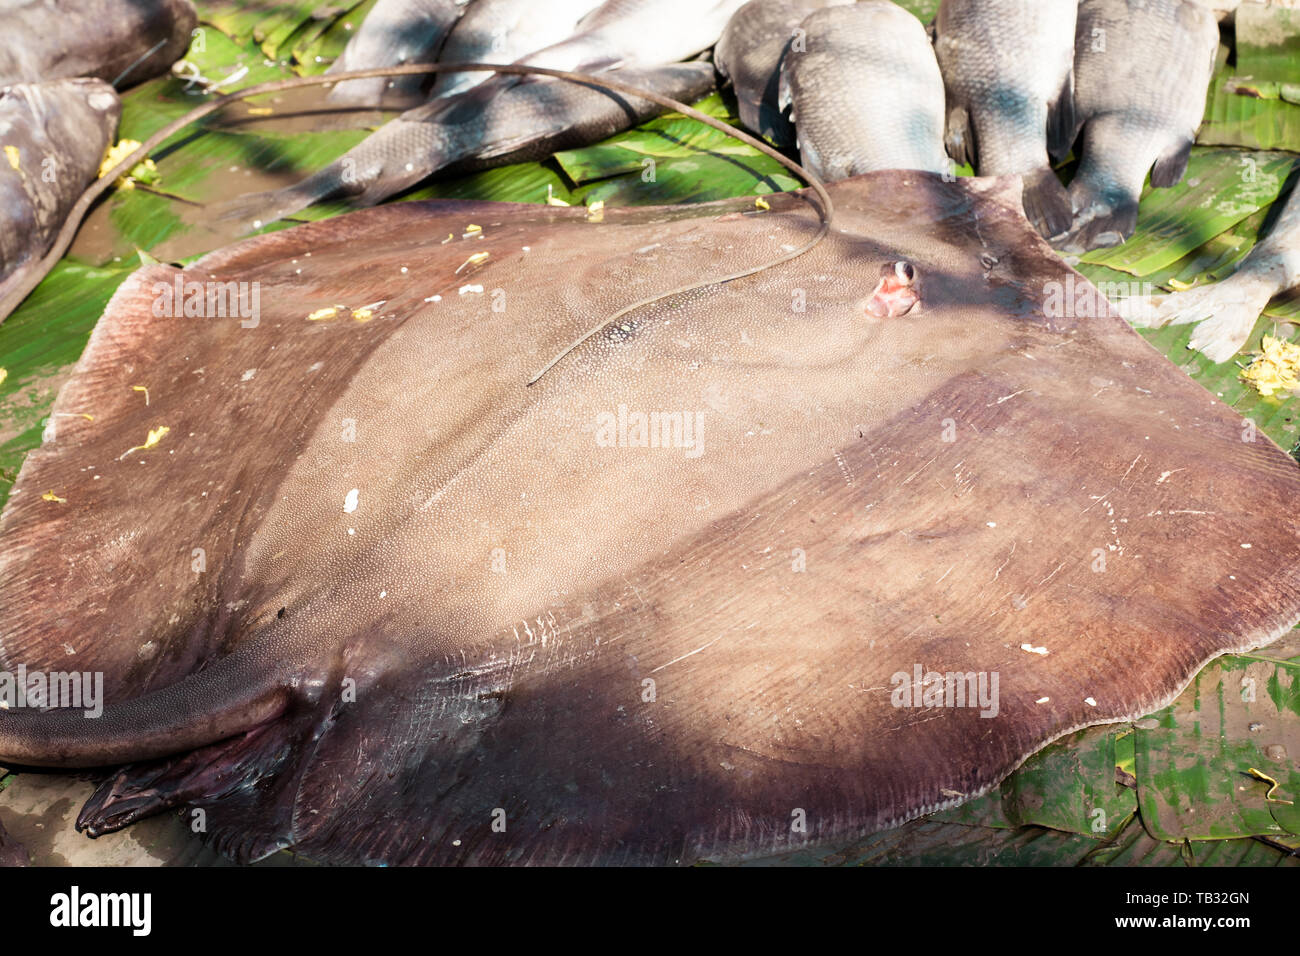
(230,697)
(1047,205)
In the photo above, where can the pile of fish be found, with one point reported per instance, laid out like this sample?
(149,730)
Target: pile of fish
(59,67)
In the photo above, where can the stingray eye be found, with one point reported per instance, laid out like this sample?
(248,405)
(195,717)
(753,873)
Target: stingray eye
(905,273)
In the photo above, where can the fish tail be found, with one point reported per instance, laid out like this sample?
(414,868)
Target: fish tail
(1225,313)
(259,209)
(234,695)
(1047,204)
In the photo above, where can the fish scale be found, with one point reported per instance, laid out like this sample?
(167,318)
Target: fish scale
(1132,115)
(1007,66)
(881,50)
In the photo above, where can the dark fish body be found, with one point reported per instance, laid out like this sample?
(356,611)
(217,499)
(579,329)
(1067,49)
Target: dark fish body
(1008,67)
(393,33)
(373,598)
(1133,115)
(749,55)
(527,121)
(53,135)
(1228,310)
(122,42)
(503,31)
(866,93)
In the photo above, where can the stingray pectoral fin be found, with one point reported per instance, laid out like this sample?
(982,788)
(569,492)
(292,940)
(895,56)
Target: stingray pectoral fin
(228,698)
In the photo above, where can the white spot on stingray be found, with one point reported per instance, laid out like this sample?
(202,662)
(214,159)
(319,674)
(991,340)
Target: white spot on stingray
(477,289)
(1042,700)
(992,524)
(352,530)
(1034,650)
(434,298)
(1090,702)
(248,375)
(1245,546)
(383,594)
(350,502)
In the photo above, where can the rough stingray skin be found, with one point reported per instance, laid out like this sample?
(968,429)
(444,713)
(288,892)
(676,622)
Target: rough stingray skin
(54,135)
(123,42)
(478,648)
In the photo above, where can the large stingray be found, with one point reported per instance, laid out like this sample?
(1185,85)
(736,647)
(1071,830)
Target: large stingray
(371,596)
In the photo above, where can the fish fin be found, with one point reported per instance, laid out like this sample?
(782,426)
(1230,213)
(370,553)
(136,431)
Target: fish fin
(1172,164)
(959,137)
(1047,204)
(1108,227)
(1225,313)
(255,210)
(1062,125)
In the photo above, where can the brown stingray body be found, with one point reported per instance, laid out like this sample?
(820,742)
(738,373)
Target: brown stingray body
(372,597)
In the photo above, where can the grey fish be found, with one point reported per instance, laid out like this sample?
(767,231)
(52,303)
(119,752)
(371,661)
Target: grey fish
(528,121)
(1008,68)
(123,42)
(893,114)
(393,33)
(749,55)
(620,33)
(1227,310)
(54,135)
(1131,113)
(503,31)
(643,32)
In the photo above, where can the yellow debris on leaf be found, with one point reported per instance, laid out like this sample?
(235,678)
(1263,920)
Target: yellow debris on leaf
(1268,797)
(474,260)
(51,496)
(154,437)
(321,315)
(4,374)
(762,203)
(596,211)
(144,171)
(363,315)
(551,199)
(472,230)
(141,388)
(260,111)
(1276,369)
(12,153)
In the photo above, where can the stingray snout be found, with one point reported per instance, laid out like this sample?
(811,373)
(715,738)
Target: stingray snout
(897,293)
